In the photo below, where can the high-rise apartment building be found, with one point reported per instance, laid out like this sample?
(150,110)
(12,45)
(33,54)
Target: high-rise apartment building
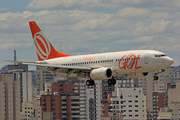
(129,101)
(26,85)
(173,95)
(80,87)
(10,93)
(159,101)
(41,78)
(2,100)
(63,102)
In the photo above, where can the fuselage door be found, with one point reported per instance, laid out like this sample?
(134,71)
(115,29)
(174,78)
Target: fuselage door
(146,58)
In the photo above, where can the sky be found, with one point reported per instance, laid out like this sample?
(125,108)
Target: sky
(90,26)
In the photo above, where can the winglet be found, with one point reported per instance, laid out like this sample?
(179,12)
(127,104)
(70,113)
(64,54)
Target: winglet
(44,48)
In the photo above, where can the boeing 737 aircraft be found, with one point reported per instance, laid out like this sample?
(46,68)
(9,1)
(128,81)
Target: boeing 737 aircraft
(133,63)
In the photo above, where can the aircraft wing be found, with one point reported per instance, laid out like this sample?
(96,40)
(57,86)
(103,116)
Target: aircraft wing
(69,71)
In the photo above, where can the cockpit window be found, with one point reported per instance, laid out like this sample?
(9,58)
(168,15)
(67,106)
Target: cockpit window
(162,55)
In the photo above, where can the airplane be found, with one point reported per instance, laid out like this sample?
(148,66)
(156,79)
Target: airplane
(133,63)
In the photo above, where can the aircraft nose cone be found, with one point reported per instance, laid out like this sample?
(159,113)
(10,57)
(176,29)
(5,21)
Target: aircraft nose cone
(170,61)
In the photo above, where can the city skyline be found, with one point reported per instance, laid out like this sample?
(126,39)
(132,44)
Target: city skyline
(139,98)
(95,26)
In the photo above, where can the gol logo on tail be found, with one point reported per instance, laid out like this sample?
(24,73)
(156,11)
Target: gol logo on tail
(129,62)
(43,47)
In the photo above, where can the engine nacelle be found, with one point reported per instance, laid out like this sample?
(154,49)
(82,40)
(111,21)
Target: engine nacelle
(101,73)
(137,75)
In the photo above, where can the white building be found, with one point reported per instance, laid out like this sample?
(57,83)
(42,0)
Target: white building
(93,101)
(130,101)
(80,88)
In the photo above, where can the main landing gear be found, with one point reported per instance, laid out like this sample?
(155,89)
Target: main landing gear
(90,82)
(111,81)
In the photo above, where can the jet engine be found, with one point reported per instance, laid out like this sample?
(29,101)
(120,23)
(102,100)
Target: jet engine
(137,75)
(101,73)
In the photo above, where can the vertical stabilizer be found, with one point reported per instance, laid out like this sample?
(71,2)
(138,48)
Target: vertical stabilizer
(44,48)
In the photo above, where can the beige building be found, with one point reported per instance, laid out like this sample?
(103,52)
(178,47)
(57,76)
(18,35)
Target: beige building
(10,97)
(2,100)
(165,114)
(37,109)
(41,78)
(47,87)
(27,109)
(173,95)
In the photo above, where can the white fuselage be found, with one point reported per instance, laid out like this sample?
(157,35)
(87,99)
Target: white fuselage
(123,62)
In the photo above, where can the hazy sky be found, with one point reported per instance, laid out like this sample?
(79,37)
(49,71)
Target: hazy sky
(90,26)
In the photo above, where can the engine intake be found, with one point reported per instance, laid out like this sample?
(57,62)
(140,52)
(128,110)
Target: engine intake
(101,73)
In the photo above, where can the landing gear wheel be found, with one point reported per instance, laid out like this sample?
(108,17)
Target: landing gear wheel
(111,81)
(155,77)
(90,82)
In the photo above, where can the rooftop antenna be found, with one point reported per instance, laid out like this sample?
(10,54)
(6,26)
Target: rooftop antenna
(15,58)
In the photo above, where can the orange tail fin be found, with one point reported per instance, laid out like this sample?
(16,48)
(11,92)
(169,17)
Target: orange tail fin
(44,48)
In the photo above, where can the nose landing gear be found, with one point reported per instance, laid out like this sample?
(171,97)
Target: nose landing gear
(155,77)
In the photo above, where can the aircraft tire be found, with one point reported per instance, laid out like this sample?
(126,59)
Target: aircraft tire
(111,81)
(92,82)
(156,77)
(88,82)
